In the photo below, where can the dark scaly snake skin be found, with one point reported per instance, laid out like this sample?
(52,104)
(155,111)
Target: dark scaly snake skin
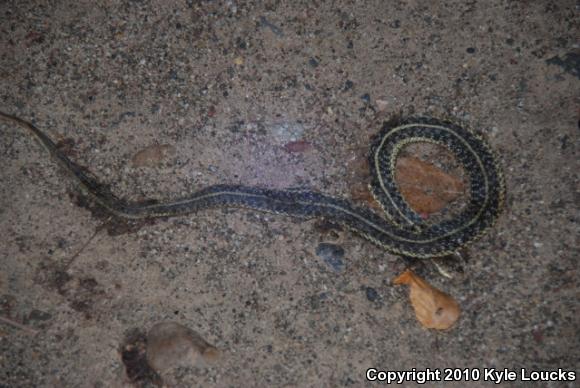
(404,232)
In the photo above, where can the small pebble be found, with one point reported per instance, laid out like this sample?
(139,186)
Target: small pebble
(382,105)
(332,255)
(313,62)
(38,315)
(348,85)
(372,294)
(275,29)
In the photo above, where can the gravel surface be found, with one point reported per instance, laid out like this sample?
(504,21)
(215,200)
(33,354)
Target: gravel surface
(284,95)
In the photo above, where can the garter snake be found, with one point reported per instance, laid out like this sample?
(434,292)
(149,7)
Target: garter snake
(403,232)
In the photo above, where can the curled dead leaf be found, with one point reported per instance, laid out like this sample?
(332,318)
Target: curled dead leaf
(433,308)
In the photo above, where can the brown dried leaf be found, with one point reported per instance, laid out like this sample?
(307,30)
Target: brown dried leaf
(170,345)
(152,155)
(433,308)
(424,186)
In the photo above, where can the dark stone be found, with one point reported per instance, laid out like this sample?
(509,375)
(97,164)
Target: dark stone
(241,43)
(372,294)
(348,85)
(37,315)
(332,255)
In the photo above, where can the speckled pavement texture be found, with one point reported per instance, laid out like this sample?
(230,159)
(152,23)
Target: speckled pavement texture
(278,94)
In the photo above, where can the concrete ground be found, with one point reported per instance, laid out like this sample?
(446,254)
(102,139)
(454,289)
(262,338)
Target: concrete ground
(277,94)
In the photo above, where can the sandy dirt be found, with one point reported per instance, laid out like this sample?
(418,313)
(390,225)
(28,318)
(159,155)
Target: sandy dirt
(277,94)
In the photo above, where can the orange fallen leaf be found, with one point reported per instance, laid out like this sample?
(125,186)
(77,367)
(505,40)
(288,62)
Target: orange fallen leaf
(426,187)
(433,308)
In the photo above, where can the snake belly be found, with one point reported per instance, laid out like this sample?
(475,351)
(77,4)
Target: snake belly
(402,231)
